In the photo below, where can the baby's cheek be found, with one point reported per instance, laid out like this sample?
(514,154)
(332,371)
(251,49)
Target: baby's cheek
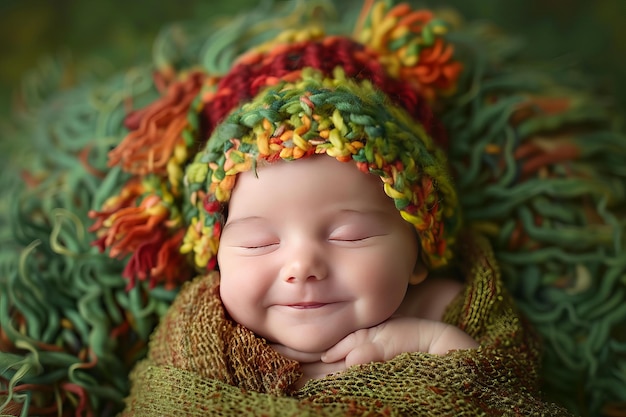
(236,300)
(225,292)
(242,292)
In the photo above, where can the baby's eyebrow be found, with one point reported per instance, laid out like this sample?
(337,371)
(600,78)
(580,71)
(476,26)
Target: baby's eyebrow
(369,212)
(242,220)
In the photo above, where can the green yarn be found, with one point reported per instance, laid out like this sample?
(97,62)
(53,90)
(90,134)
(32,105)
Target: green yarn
(71,297)
(567,272)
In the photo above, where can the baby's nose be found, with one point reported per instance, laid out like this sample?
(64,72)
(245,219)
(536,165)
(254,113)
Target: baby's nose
(304,265)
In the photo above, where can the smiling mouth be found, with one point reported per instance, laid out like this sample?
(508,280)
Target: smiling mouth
(307,306)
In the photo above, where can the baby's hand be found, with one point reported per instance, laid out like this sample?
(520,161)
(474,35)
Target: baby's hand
(380,343)
(395,336)
(374,344)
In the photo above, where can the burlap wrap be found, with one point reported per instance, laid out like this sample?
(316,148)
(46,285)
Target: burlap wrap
(201,363)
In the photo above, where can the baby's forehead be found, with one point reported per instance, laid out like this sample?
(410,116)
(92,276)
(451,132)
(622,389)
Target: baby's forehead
(316,193)
(316,176)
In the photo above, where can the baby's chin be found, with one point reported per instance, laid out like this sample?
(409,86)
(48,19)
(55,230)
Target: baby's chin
(302,351)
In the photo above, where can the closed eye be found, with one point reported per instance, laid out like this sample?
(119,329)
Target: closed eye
(261,246)
(351,239)
(254,249)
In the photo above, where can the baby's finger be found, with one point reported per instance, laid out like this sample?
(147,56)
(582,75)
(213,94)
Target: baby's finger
(345,346)
(365,353)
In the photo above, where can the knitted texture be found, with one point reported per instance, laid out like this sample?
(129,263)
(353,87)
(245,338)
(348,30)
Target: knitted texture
(416,67)
(343,119)
(200,363)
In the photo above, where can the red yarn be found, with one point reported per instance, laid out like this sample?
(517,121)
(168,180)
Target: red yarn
(254,72)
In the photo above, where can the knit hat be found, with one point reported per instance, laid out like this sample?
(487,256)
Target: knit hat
(344,119)
(365,99)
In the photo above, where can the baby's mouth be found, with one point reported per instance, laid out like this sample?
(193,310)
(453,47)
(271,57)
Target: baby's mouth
(307,305)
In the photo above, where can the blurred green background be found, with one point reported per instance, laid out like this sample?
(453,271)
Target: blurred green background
(119,33)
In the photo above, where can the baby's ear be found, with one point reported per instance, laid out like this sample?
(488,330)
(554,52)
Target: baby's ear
(419,273)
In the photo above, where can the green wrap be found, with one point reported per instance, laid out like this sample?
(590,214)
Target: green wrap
(202,363)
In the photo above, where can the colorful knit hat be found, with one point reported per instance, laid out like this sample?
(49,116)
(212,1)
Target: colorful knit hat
(339,117)
(302,93)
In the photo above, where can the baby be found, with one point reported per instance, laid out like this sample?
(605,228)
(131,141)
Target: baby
(320,266)
(313,254)
(316,209)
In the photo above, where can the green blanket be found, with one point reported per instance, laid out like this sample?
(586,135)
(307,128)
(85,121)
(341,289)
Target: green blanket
(202,363)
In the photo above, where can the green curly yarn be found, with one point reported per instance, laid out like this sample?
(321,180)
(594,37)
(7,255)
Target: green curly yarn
(540,169)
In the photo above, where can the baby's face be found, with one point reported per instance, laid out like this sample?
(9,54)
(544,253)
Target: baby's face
(313,250)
